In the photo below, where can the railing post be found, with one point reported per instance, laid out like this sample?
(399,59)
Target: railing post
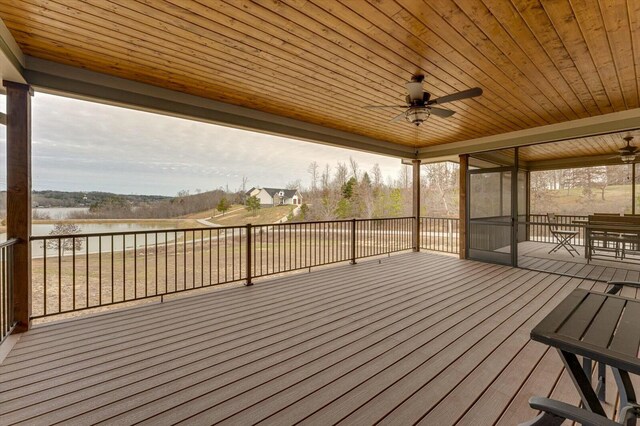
(248,228)
(353,241)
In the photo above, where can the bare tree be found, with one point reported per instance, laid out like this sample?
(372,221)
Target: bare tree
(326,177)
(404,177)
(355,168)
(314,171)
(342,172)
(66,230)
(377,175)
(294,184)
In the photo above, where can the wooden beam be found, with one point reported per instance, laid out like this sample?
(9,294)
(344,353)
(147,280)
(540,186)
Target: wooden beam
(416,205)
(574,129)
(11,57)
(576,162)
(19,196)
(462,214)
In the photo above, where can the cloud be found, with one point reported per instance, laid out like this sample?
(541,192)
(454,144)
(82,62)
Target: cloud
(86,146)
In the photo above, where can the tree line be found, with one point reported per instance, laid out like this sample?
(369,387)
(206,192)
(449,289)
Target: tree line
(346,190)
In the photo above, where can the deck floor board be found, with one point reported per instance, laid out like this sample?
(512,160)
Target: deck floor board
(416,337)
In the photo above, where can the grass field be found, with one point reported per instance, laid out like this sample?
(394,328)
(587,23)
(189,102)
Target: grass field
(617,199)
(264,216)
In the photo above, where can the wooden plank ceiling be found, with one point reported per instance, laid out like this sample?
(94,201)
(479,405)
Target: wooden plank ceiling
(579,148)
(539,62)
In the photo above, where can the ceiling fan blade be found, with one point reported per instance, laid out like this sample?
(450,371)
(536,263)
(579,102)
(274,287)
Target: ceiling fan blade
(465,94)
(383,106)
(398,117)
(441,112)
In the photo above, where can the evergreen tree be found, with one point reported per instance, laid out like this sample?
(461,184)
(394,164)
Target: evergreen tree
(253,204)
(223,205)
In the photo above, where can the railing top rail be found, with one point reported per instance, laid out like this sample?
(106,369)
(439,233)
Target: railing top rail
(439,217)
(559,215)
(314,222)
(121,233)
(384,218)
(9,242)
(220,228)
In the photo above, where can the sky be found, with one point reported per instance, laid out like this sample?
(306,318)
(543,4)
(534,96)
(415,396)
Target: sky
(86,146)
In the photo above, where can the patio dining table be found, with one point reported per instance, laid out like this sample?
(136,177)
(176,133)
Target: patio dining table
(601,327)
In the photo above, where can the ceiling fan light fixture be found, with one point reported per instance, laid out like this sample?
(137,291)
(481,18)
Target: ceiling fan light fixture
(628,158)
(418,115)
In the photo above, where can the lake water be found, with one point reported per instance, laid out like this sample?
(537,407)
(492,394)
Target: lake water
(96,244)
(38,229)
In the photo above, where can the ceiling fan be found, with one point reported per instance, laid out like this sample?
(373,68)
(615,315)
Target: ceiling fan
(628,152)
(420,105)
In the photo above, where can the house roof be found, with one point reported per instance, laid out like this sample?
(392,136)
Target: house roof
(288,193)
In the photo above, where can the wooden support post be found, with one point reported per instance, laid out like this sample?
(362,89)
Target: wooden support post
(19,196)
(462,212)
(416,205)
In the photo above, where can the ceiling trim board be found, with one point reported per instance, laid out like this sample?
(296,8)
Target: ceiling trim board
(575,129)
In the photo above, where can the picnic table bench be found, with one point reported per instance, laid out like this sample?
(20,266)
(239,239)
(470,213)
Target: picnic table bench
(610,233)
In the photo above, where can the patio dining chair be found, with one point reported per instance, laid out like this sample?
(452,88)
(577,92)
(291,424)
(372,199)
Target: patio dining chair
(563,237)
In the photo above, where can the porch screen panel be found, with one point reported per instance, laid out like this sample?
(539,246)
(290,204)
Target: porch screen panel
(490,216)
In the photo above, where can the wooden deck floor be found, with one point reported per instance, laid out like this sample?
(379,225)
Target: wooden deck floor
(534,255)
(415,339)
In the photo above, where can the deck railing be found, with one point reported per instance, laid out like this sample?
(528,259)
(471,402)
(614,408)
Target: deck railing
(440,234)
(539,227)
(7,319)
(83,271)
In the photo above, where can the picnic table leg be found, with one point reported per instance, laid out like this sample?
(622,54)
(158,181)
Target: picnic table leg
(627,398)
(581,382)
(602,376)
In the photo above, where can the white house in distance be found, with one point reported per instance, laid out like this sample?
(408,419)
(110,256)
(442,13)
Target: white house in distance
(276,196)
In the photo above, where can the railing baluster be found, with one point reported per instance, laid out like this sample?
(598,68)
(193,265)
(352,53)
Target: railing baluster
(135,266)
(44,283)
(156,263)
(73,245)
(99,271)
(146,269)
